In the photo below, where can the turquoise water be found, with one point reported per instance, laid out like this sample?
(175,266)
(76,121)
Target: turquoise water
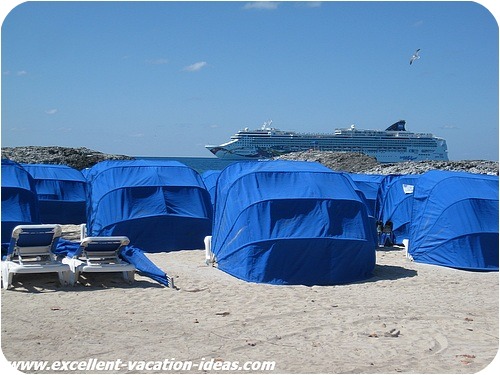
(198,164)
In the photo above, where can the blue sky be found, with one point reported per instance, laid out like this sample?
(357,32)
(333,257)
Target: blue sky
(167,78)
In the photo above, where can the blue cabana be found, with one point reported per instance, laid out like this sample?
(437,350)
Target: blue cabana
(394,204)
(210,180)
(455,220)
(368,184)
(19,200)
(61,193)
(159,205)
(290,222)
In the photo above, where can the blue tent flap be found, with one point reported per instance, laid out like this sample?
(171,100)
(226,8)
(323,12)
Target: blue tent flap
(130,254)
(455,220)
(369,185)
(210,180)
(144,265)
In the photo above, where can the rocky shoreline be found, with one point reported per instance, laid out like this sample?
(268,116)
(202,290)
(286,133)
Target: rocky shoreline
(78,158)
(82,157)
(360,163)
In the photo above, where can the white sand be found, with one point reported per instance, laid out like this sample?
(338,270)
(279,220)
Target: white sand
(442,320)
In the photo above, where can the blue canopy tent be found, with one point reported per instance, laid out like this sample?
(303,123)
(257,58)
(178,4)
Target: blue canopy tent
(159,205)
(369,185)
(290,222)
(19,200)
(394,205)
(454,220)
(61,193)
(210,180)
(367,203)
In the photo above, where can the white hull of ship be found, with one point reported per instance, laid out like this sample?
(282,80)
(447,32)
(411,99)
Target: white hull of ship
(382,157)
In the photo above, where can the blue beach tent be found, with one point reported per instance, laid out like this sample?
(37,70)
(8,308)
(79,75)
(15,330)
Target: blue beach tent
(367,203)
(61,193)
(394,207)
(210,180)
(291,222)
(19,199)
(369,185)
(455,220)
(159,205)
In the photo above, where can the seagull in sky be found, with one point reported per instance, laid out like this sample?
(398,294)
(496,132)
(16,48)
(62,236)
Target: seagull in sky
(415,56)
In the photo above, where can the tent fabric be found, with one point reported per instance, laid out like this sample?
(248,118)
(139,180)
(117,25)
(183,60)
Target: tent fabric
(290,222)
(159,205)
(394,205)
(455,220)
(369,184)
(210,180)
(144,265)
(61,193)
(367,203)
(19,199)
(130,254)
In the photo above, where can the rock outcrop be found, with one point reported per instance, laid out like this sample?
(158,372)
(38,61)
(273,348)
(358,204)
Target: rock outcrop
(360,163)
(78,158)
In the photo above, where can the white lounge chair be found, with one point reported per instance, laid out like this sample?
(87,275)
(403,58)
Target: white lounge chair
(31,251)
(100,254)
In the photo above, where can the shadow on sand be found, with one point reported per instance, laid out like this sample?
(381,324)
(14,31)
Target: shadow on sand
(48,282)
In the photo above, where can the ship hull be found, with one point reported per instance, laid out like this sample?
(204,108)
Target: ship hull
(390,146)
(245,153)
(386,157)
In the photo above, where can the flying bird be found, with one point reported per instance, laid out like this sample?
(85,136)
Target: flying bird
(415,56)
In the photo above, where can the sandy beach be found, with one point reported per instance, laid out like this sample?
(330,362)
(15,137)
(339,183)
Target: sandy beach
(410,318)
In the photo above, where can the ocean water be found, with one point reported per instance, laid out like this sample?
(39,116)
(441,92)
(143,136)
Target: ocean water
(198,164)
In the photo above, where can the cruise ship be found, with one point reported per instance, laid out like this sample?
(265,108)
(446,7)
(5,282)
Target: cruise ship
(392,145)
